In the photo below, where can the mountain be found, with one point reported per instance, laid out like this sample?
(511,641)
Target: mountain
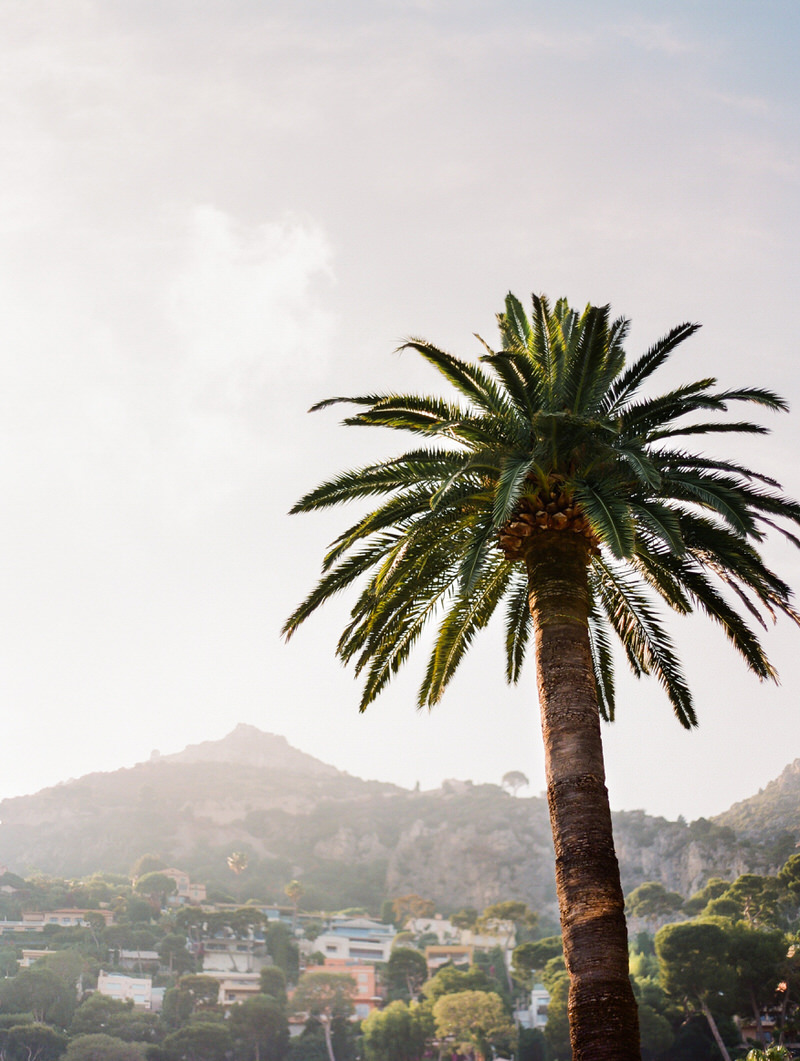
(773,808)
(249,746)
(353,842)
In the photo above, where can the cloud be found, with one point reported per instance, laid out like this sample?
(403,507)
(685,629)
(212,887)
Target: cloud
(245,306)
(157,370)
(656,37)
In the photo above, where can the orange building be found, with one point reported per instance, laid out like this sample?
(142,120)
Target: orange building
(366,998)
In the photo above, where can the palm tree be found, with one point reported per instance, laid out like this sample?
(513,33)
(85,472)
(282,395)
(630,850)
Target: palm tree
(237,862)
(293,891)
(555,489)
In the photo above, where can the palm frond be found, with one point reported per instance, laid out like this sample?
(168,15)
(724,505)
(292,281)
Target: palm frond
(467,616)
(602,662)
(554,413)
(429,466)
(465,377)
(518,625)
(646,641)
(610,519)
(627,385)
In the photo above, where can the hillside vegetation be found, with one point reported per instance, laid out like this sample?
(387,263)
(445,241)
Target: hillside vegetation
(355,842)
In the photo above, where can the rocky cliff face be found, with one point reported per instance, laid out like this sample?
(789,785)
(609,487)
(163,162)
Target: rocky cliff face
(681,857)
(471,866)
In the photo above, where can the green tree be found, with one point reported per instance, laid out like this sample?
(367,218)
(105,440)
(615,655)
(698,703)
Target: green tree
(465,918)
(531,957)
(475,1019)
(515,780)
(406,972)
(273,983)
(757,958)
(102,1047)
(325,997)
(715,887)
(757,897)
(294,891)
(789,875)
(655,1033)
(172,951)
(138,909)
(532,1045)
(771,1053)
(497,917)
(555,487)
(203,988)
(449,981)
(200,1040)
(283,950)
(42,993)
(312,930)
(260,1029)
(693,957)
(71,966)
(311,1044)
(9,964)
(156,887)
(34,1042)
(147,864)
(397,1033)
(96,1013)
(652,901)
(177,1008)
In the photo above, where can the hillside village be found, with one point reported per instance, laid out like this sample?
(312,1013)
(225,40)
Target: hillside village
(343,930)
(157,967)
(129,949)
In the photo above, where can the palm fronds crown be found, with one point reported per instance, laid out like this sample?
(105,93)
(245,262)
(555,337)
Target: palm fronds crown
(551,434)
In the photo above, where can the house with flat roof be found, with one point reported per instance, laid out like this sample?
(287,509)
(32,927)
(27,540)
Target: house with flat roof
(536,1014)
(236,987)
(69,918)
(360,938)
(443,954)
(138,989)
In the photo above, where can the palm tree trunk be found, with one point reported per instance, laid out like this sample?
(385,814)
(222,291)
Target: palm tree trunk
(603,1017)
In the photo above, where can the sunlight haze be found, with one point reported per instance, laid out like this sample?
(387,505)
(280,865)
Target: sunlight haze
(214,215)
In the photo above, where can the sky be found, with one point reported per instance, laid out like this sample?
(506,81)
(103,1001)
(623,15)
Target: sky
(214,214)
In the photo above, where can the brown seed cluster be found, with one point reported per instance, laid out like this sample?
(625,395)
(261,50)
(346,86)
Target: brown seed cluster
(551,510)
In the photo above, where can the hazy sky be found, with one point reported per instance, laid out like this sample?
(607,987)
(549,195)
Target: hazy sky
(215,213)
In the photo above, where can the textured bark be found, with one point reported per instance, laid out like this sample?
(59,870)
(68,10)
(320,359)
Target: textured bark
(326,1027)
(715,1032)
(603,1015)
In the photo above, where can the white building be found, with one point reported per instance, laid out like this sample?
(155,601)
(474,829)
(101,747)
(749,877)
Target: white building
(230,954)
(444,930)
(237,987)
(536,1016)
(358,938)
(124,988)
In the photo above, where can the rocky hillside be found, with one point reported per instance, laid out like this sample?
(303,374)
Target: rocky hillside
(354,842)
(773,809)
